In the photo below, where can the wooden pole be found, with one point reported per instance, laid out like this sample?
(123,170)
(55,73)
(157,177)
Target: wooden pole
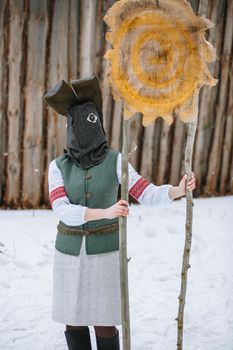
(123,241)
(192,127)
(188,234)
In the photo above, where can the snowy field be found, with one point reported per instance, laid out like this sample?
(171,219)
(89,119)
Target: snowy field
(156,237)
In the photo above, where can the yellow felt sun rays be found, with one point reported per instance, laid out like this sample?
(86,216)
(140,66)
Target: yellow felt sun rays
(158,58)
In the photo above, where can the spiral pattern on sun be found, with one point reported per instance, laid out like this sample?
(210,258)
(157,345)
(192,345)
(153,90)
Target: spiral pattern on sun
(158,58)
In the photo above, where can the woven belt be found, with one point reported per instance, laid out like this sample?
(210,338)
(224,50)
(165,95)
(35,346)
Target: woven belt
(86,232)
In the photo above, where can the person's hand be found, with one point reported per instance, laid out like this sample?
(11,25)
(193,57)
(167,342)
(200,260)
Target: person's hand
(190,185)
(118,209)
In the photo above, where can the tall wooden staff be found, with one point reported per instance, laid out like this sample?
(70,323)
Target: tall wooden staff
(192,127)
(123,241)
(157,66)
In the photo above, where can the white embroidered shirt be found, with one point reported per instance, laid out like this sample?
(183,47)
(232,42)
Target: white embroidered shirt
(73,214)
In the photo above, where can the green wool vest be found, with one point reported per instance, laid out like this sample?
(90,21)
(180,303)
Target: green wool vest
(96,187)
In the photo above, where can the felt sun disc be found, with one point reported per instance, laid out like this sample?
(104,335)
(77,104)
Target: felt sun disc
(158,60)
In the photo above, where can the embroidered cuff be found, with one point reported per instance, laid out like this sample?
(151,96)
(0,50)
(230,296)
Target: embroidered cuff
(138,188)
(57,193)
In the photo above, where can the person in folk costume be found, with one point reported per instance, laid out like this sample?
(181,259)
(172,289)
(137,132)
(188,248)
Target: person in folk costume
(83,189)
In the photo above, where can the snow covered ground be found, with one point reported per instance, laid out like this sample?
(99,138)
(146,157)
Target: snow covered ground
(156,237)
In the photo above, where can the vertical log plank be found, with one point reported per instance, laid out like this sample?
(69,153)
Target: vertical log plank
(15,102)
(34,89)
(108,111)
(156,152)
(163,154)
(177,152)
(147,152)
(207,101)
(231,173)
(99,39)
(46,118)
(116,132)
(87,37)
(58,69)
(228,139)
(4,32)
(216,149)
(73,40)
(108,103)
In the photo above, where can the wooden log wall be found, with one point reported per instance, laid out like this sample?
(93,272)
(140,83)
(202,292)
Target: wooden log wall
(48,40)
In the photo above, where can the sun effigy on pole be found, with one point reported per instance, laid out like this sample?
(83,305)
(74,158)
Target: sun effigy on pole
(157,65)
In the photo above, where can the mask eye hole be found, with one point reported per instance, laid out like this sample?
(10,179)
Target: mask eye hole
(92,118)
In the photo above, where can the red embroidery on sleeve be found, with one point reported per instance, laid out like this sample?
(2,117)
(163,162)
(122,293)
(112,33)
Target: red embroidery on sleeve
(139,186)
(57,193)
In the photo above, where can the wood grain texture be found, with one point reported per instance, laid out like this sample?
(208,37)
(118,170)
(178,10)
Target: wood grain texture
(231,173)
(99,41)
(147,156)
(73,42)
(227,152)
(220,118)
(4,30)
(208,97)
(177,151)
(164,151)
(58,69)
(87,37)
(108,103)
(34,89)
(15,112)
(116,130)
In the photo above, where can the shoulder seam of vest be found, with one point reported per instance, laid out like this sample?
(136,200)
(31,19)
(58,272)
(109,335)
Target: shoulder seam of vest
(59,159)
